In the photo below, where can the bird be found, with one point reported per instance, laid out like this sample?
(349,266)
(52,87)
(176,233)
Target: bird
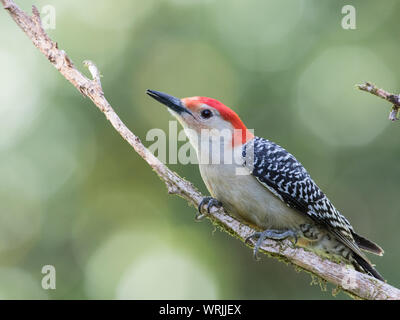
(264,185)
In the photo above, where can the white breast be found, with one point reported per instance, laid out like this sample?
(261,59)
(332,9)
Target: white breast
(247,199)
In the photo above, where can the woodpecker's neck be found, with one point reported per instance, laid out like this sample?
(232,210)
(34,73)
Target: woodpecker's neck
(218,146)
(240,136)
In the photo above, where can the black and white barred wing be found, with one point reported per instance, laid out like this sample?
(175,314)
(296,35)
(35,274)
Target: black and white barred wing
(285,177)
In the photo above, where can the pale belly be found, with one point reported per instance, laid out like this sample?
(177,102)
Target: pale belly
(247,199)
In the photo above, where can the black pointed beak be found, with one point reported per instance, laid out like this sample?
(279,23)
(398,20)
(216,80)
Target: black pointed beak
(171,102)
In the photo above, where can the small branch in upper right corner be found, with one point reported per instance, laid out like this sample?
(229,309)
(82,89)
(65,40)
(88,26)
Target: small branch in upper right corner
(394,99)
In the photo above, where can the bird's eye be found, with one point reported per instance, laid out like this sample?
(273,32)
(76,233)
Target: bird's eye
(206,113)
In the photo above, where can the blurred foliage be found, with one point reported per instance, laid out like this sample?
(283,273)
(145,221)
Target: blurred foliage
(73,194)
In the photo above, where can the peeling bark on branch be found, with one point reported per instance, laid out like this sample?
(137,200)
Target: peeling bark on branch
(361,285)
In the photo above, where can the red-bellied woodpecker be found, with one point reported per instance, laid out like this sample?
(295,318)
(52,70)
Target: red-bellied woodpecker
(277,195)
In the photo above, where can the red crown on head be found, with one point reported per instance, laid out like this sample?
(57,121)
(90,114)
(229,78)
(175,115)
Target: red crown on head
(226,113)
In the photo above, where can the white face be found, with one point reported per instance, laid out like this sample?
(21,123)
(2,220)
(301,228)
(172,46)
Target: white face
(204,126)
(209,125)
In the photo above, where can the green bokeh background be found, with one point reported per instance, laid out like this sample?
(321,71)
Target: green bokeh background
(73,194)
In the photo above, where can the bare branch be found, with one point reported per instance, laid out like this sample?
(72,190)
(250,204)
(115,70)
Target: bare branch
(361,286)
(392,98)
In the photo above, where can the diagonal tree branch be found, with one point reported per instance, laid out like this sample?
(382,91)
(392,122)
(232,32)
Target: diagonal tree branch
(392,98)
(344,277)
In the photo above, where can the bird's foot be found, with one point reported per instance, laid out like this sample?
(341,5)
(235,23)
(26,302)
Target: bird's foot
(270,234)
(210,202)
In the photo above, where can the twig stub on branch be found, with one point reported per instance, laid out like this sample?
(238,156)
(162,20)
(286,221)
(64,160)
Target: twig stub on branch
(390,97)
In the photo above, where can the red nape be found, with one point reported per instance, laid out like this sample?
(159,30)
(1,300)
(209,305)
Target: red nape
(241,135)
